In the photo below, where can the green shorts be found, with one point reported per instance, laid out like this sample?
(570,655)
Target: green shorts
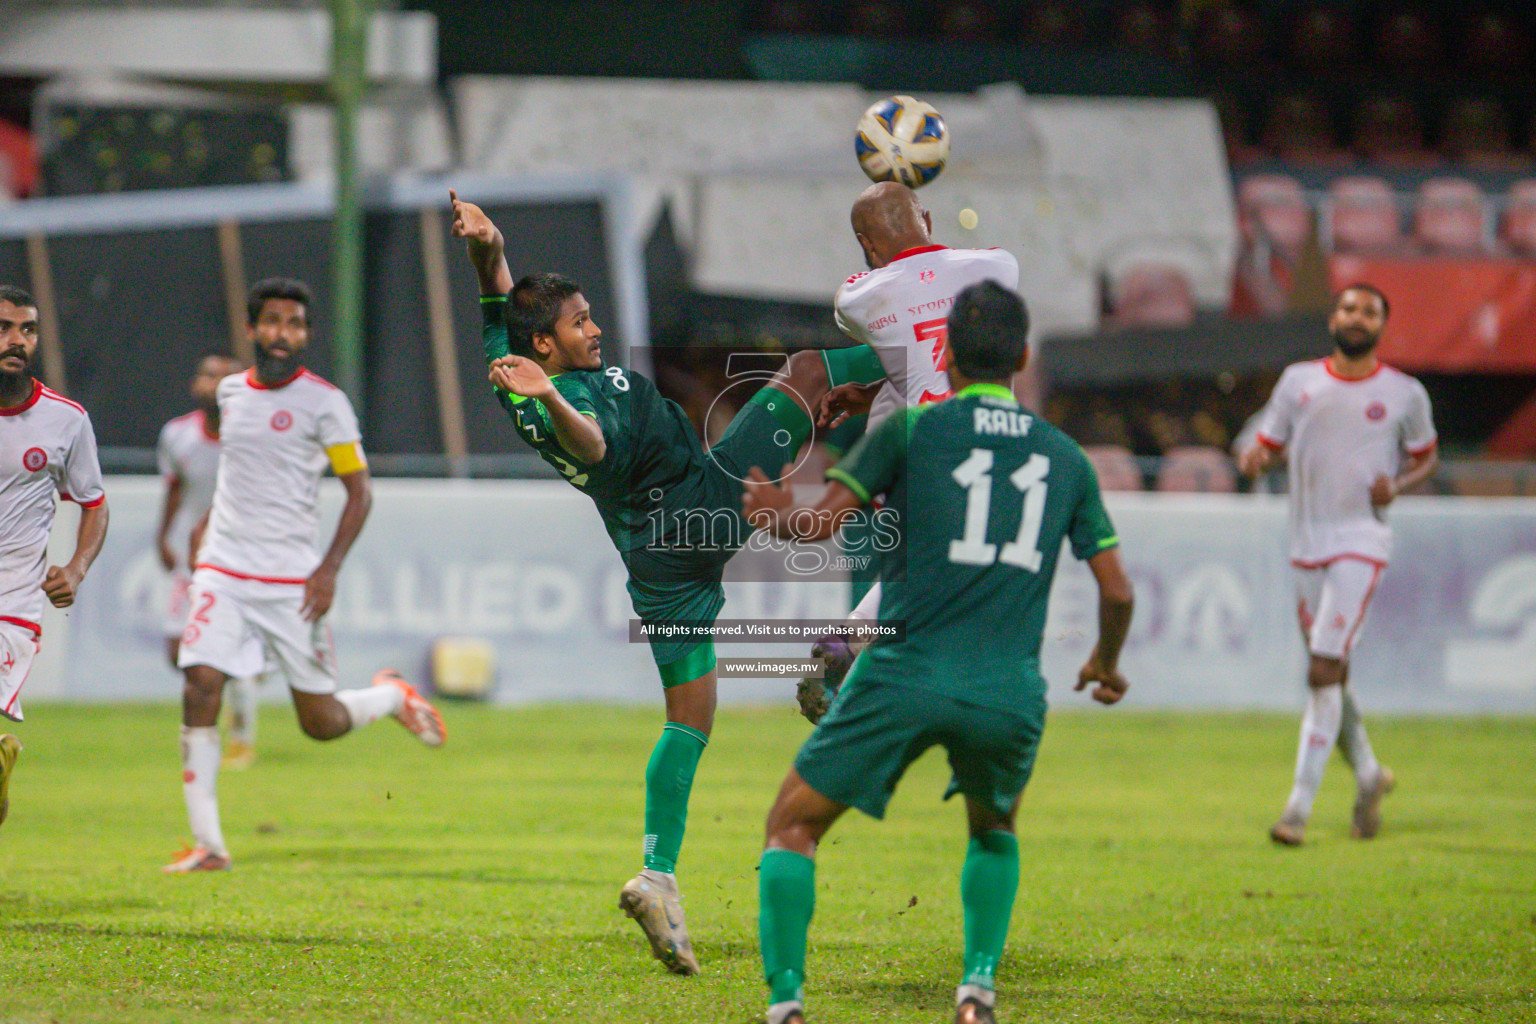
(875,730)
(683,584)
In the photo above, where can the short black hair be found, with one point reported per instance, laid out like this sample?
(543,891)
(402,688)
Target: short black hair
(987,330)
(275,288)
(16,296)
(533,307)
(1364,286)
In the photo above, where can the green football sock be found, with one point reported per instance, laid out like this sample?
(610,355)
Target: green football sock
(789,415)
(786,888)
(988,883)
(668,781)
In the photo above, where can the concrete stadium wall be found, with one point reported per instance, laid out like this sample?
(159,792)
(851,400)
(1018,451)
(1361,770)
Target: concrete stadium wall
(527,566)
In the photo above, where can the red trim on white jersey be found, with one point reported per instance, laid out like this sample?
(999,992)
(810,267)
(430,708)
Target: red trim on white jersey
(918,251)
(248,576)
(1365,602)
(250,378)
(1328,365)
(1377,562)
(25,623)
(1426,449)
(86,504)
(1270,443)
(312,375)
(37,392)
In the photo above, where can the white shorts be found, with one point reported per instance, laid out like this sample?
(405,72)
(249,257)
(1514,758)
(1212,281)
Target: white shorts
(18,648)
(176,603)
(1331,600)
(244,627)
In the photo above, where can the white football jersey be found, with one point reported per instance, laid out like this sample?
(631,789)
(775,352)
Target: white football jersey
(272,443)
(189,452)
(901,311)
(47,450)
(1340,435)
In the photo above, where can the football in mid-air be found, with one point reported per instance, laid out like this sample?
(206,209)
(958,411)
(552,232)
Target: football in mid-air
(902,139)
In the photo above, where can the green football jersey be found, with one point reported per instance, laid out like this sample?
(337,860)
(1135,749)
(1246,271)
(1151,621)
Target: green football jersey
(654,467)
(985,493)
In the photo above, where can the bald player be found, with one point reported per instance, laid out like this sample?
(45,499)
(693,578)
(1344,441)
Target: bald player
(897,309)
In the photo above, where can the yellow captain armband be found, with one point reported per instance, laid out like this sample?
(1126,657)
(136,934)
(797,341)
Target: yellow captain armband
(347,458)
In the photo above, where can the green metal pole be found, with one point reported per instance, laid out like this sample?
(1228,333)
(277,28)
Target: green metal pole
(349,20)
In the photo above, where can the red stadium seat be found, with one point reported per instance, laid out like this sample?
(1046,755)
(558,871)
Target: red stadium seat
(1362,214)
(1518,227)
(20,155)
(1476,133)
(1322,40)
(1450,216)
(1408,42)
(1197,468)
(1272,208)
(1150,294)
(1116,467)
(967,20)
(1300,130)
(1388,130)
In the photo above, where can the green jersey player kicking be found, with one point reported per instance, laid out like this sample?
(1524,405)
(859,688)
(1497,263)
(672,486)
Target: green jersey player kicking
(986,493)
(672,510)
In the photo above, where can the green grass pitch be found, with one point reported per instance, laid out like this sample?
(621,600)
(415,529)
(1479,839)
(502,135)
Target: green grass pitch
(378,881)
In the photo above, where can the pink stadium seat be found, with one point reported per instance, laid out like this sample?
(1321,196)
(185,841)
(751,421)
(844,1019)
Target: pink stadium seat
(1151,294)
(1116,467)
(1363,214)
(1196,468)
(1449,216)
(1273,208)
(1518,228)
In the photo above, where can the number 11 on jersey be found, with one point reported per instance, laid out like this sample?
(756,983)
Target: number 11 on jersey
(975,475)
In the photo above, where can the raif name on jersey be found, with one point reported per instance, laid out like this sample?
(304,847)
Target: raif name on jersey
(1002,422)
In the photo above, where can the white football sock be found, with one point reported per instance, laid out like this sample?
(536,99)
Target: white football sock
(199,785)
(1319,732)
(241,695)
(1355,745)
(371,703)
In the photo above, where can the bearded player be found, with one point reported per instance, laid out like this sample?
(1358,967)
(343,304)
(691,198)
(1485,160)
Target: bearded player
(187,454)
(260,587)
(47,450)
(1356,433)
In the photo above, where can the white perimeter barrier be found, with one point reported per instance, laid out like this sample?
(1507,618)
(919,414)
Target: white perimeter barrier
(527,566)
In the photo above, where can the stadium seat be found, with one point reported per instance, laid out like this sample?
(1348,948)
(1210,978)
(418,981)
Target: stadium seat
(1494,46)
(1389,131)
(1150,294)
(1407,41)
(1197,468)
(1322,40)
(1228,36)
(1362,214)
(879,19)
(1054,23)
(788,16)
(967,20)
(1475,132)
(1450,216)
(1300,129)
(1272,208)
(1116,467)
(1517,229)
(1144,27)
(20,154)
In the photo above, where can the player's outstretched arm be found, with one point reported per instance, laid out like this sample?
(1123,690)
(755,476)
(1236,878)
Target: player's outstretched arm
(581,436)
(485,244)
(320,588)
(770,507)
(1116,601)
(61,583)
(847,400)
